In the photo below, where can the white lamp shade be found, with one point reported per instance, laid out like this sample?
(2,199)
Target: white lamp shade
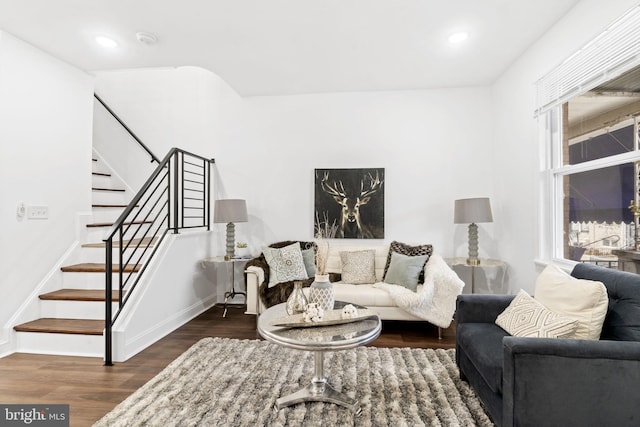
(230,210)
(474,210)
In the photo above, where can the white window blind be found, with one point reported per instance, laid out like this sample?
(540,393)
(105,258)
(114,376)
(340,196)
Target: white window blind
(613,52)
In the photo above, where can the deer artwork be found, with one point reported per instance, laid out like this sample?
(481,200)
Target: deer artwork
(350,224)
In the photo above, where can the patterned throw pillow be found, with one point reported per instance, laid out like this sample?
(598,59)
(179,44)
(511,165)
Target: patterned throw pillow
(404,249)
(358,267)
(526,317)
(285,264)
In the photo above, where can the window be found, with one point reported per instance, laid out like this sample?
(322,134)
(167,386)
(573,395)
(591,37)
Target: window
(594,172)
(588,108)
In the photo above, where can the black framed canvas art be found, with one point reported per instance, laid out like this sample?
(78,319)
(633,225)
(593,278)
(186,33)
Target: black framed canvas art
(349,203)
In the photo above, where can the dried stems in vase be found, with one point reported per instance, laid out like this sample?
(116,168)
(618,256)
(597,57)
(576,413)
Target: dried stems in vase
(324,229)
(321,256)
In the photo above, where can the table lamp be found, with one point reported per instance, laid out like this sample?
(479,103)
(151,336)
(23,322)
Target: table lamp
(471,211)
(230,211)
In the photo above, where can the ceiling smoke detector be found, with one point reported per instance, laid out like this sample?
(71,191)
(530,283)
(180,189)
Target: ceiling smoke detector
(146,38)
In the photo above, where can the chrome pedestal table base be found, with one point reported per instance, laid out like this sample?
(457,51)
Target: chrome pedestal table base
(318,340)
(319,391)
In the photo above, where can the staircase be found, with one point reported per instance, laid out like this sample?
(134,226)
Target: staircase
(72,317)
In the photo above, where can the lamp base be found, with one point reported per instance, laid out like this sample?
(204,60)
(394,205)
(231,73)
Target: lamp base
(473,245)
(231,240)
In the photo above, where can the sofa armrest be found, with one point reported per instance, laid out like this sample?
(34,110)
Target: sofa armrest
(255,276)
(570,382)
(480,308)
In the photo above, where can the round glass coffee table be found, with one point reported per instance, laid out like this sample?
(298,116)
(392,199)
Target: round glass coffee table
(318,340)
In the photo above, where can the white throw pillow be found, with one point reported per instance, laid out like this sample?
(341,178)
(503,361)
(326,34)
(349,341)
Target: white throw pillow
(584,300)
(285,264)
(358,267)
(526,317)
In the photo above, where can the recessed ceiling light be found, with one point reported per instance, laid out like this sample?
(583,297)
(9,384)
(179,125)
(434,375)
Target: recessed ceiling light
(106,41)
(146,38)
(458,37)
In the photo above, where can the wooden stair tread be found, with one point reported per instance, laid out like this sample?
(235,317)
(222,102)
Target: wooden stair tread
(96,267)
(100,174)
(110,224)
(78,295)
(106,205)
(133,243)
(121,190)
(63,326)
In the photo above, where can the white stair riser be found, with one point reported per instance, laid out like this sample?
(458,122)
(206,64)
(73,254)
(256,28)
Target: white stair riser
(90,280)
(99,255)
(109,197)
(74,309)
(106,214)
(98,234)
(112,214)
(60,344)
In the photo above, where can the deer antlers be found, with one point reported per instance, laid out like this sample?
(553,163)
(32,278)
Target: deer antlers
(337,189)
(374,185)
(338,194)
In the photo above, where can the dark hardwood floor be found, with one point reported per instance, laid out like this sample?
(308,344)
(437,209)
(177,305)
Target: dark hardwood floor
(92,389)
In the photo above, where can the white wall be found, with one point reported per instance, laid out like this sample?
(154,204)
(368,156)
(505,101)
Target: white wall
(45,159)
(517,146)
(165,107)
(435,146)
(184,107)
(173,290)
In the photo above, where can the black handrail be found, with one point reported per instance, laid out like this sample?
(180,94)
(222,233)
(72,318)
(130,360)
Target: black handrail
(166,202)
(123,124)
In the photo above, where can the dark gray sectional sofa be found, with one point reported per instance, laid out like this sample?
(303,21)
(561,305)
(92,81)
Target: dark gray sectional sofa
(555,382)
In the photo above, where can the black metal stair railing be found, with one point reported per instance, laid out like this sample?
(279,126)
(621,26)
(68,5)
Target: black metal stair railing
(126,128)
(176,196)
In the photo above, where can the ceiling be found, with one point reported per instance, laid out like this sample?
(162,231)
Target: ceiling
(274,47)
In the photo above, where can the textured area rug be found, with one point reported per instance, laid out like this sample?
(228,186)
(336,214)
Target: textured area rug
(229,382)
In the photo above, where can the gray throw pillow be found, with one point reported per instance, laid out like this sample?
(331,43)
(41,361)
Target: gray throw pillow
(404,270)
(309,259)
(409,250)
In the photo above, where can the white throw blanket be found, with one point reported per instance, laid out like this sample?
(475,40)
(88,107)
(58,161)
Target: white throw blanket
(435,301)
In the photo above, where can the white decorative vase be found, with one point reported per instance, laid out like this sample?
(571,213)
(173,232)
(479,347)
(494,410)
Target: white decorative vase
(321,292)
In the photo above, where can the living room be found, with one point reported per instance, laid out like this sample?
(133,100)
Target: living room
(437,144)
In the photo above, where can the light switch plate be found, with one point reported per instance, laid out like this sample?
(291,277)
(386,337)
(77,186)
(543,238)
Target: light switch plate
(38,212)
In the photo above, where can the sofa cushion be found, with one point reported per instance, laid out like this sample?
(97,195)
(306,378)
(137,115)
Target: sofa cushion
(482,343)
(409,250)
(623,318)
(334,263)
(580,299)
(285,264)
(365,295)
(309,259)
(358,267)
(526,317)
(404,270)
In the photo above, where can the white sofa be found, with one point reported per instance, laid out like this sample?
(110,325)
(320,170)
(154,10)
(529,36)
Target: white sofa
(367,295)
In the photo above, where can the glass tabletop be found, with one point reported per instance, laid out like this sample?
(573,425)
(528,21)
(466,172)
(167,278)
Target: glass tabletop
(329,338)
